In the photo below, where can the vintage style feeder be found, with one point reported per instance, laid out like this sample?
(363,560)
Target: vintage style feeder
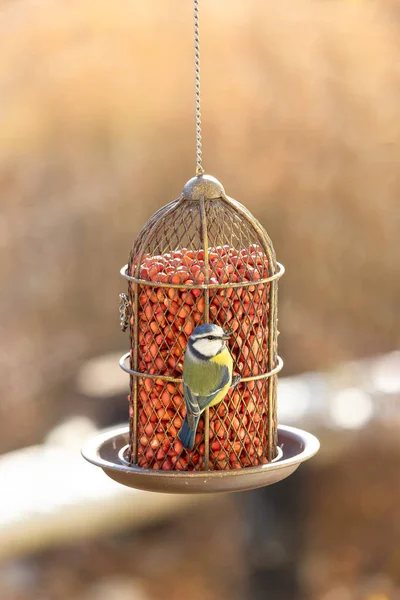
(202,258)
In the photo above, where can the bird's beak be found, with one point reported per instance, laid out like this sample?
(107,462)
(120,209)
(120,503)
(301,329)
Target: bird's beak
(227,335)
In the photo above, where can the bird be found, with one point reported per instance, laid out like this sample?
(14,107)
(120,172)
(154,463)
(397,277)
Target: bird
(207,376)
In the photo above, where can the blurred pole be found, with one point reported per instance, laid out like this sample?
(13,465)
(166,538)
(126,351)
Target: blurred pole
(273,543)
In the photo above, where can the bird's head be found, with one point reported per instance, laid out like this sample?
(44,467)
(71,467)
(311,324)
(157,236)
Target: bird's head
(208,340)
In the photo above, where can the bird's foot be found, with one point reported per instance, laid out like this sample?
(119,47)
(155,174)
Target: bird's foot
(235,380)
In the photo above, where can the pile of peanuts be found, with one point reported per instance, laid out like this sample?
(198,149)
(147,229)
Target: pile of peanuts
(167,317)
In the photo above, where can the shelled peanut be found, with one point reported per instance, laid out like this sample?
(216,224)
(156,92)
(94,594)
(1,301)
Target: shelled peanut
(167,317)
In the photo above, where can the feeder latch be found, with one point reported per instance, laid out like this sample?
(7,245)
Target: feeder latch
(123,311)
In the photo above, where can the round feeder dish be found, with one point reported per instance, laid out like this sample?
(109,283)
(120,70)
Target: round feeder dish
(106,450)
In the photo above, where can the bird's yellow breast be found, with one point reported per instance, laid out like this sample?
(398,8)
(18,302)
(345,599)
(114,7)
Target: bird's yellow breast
(223,358)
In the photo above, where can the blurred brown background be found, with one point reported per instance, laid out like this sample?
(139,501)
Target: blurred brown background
(301,122)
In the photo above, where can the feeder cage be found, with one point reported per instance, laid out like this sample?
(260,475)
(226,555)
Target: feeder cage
(203,258)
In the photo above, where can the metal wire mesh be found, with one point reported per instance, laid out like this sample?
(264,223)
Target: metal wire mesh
(199,261)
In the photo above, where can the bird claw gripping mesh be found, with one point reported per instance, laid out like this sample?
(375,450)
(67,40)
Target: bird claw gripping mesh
(202,258)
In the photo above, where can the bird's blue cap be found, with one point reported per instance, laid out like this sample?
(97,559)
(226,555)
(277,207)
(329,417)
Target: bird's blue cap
(209,329)
(204,329)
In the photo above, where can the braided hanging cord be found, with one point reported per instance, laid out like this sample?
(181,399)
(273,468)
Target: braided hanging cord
(199,166)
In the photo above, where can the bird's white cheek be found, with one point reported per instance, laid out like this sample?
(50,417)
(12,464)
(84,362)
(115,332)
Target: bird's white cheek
(207,347)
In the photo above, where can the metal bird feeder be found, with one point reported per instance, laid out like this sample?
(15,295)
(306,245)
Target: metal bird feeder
(202,258)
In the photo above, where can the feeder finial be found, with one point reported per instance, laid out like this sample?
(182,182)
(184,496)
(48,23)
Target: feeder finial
(203,186)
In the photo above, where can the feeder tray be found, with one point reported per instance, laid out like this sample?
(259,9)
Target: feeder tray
(107,450)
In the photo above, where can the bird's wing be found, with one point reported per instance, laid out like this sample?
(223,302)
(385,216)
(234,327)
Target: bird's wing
(192,405)
(195,404)
(191,401)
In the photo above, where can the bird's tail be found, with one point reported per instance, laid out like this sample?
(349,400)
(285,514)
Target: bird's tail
(187,435)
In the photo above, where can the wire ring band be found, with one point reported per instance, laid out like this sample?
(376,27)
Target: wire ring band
(203,286)
(125,357)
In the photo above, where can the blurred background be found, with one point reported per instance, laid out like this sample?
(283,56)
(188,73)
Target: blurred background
(301,122)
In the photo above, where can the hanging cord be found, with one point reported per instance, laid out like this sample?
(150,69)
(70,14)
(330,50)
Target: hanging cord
(199,166)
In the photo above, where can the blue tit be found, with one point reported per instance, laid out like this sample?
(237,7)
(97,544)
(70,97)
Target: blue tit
(207,376)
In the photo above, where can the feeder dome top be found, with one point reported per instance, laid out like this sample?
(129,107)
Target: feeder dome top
(203,186)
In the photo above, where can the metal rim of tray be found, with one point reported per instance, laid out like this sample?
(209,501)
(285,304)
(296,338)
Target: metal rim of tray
(104,450)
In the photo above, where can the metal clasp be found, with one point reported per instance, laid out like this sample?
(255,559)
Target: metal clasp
(123,311)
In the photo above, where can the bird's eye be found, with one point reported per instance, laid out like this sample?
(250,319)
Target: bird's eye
(210,337)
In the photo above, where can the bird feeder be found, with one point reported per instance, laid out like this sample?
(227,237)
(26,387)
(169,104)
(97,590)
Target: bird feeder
(202,258)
